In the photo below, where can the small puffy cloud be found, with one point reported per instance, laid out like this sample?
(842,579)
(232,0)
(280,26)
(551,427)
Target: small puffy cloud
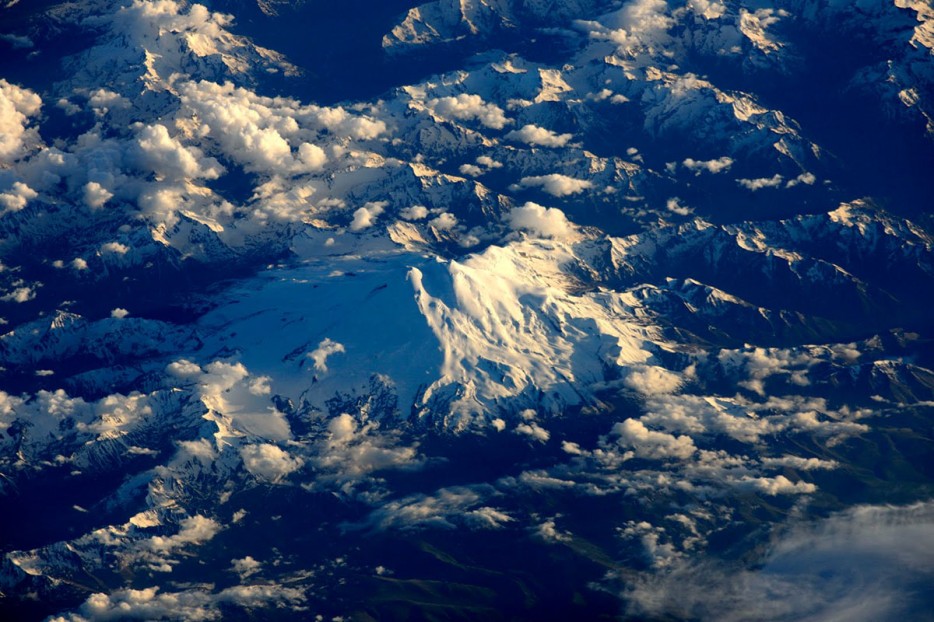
(801,464)
(555,184)
(650,380)
(805,178)
(16,197)
(653,445)
(103,100)
(193,530)
(483,165)
(445,221)
(709,9)
(548,222)
(718,165)
(599,96)
(161,202)
(20,294)
(761,182)
(533,431)
(675,206)
(79,264)
(312,156)
(539,136)
(114,248)
(269,462)
(16,106)
(184,368)
(366,216)
(119,313)
(95,195)
(245,567)
(324,350)
(488,162)
(466,107)
(69,108)
(416,212)
(778,485)
(549,532)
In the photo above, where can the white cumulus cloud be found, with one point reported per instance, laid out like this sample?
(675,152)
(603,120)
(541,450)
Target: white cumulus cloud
(718,165)
(16,106)
(269,462)
(96,195)
(467,107)
(16,197)
(555,184)
(653,445)
(365,217)
(539,136)
(759,183)
(548,222)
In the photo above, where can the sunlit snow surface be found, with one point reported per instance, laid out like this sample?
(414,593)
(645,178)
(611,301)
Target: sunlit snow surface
(490,310)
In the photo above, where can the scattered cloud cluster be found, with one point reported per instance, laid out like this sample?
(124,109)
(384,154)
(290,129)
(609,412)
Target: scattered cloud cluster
(260,133)
(483,164)
(530,428)
(777,181)
(351,451)
(192,604)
